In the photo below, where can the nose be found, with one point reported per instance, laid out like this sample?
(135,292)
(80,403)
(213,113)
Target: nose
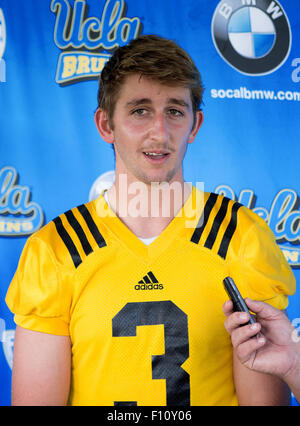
(159,130)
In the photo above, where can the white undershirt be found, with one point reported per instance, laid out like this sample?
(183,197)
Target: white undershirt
(146,241)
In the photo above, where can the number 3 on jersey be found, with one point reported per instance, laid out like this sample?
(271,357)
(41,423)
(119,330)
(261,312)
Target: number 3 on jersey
(167,366)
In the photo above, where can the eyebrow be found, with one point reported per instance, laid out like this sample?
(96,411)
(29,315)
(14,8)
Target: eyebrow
(139,101)
(147,101)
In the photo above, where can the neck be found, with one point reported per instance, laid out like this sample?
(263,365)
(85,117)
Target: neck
(147,209)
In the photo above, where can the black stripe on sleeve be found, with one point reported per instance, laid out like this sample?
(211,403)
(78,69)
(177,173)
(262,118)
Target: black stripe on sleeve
(217,223)
(67,241)
(229,231)
(91,225)
(79,231)
(204,217)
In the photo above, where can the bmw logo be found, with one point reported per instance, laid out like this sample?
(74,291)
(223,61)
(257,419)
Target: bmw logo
(253,36)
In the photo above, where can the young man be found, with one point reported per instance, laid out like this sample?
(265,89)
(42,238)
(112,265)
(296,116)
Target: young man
(119,308)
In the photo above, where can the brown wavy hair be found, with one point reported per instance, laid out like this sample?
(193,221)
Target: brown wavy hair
(154,57)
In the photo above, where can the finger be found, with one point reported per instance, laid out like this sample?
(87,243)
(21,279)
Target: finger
(247,349)
(228,307)
(244,334)
(262,309)
(235,320)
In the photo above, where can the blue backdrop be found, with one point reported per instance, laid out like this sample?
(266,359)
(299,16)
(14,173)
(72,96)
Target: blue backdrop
(248,52)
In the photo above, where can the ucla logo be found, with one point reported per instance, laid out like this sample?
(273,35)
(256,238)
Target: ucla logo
(18,215)
(282,217)
(82,38)
(253,36)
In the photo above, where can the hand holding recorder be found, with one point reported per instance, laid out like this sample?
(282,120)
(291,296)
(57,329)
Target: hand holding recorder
(276,350)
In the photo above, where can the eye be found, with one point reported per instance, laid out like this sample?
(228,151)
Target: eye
(175,112)
(139,111)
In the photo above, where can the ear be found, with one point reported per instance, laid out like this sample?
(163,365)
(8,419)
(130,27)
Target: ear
(198,123)
(103,126)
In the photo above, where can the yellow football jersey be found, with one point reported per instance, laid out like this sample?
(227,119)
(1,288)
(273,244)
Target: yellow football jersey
(146,322)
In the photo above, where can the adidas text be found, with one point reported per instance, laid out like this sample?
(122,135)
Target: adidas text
(148,287)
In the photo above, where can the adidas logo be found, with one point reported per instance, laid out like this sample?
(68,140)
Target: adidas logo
(149,282)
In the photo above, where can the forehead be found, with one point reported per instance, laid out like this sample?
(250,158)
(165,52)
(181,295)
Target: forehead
(137,87)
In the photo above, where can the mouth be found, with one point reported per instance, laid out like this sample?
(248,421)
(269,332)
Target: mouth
(156,157)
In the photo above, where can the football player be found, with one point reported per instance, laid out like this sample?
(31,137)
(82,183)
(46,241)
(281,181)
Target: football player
(119,301)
